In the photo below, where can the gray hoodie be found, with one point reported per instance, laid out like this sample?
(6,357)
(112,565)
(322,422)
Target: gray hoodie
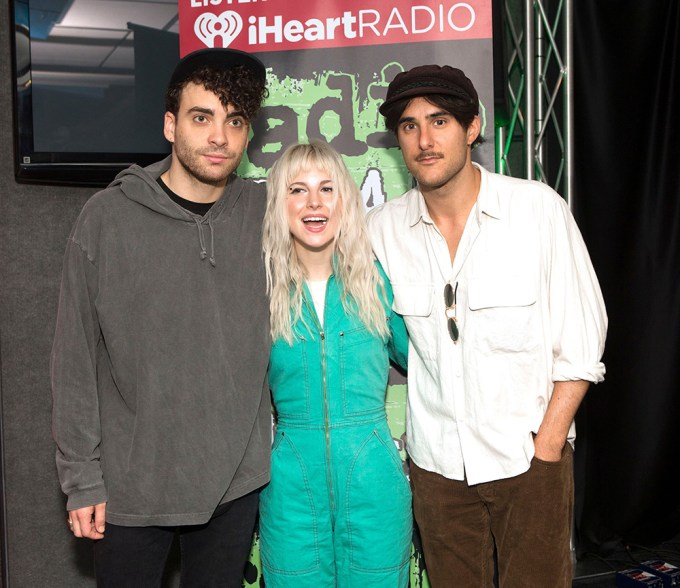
(160,405)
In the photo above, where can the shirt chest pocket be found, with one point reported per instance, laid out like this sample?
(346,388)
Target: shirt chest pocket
(415,302)
(503,314)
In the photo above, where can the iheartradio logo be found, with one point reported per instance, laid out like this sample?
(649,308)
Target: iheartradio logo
(218,31)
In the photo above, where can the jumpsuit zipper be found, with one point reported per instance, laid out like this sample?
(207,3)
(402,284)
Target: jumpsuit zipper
(326,419)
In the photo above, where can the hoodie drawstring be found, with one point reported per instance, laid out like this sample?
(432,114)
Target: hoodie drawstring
(212,242)
(201,240)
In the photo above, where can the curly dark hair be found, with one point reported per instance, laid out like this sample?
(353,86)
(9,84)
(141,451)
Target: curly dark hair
(237,85)
(462,110)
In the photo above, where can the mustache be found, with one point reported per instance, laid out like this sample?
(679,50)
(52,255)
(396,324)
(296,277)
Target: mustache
(429,155)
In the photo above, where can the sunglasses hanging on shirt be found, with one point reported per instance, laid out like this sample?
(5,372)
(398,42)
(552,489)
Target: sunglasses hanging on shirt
(450,301)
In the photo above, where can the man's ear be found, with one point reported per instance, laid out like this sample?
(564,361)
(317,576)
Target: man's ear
(473,130)
(169,127)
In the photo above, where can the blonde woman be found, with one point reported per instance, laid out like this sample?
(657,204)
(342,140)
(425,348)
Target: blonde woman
(337,511)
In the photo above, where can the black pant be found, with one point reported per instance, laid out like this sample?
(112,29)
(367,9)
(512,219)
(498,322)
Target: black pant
(212,555)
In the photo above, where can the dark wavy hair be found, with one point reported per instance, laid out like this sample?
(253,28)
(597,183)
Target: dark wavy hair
(237,85)
(463,111)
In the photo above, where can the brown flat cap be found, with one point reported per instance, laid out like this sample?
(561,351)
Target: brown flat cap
(219,59)
(430,79)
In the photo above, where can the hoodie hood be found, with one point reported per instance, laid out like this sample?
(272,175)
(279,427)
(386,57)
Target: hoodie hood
(140,184)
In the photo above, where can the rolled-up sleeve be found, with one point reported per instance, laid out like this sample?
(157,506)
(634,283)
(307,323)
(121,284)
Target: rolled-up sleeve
(577,311)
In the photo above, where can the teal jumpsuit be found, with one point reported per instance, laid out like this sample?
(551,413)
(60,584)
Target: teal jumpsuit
(337,512)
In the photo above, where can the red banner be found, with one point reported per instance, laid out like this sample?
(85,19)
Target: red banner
(280,25)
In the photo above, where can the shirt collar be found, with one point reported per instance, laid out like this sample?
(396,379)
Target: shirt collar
(487,199)
(417,209)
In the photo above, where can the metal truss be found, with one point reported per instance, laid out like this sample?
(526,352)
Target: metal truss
(534,137)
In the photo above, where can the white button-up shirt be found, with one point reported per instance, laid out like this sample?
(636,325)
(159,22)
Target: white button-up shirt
(529,310)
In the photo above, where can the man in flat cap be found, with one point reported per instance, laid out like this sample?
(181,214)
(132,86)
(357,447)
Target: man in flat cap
(161,415)
(507,327)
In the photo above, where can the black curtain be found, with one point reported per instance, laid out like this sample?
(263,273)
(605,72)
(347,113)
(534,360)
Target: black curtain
(627,202)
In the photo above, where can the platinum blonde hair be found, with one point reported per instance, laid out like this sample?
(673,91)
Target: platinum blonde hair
(353,262)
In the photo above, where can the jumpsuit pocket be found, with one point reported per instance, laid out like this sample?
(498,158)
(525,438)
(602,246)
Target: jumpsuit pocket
(288,515)
(362,388)
(379,516)
(289,371)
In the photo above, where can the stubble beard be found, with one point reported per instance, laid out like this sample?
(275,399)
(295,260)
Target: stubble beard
(192,163)
(428,182)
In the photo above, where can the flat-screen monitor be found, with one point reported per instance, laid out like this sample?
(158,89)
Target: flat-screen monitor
(90,78)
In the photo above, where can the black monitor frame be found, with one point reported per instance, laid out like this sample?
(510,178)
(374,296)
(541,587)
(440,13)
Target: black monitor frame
(64,167)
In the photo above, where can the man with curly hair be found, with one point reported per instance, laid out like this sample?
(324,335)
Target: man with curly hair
(161,414)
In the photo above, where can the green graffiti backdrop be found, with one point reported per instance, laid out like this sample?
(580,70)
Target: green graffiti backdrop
(335,107)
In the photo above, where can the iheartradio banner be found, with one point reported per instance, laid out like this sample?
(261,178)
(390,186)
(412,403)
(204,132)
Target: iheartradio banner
(279,25)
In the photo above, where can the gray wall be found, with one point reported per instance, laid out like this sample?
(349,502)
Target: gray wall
(34,224)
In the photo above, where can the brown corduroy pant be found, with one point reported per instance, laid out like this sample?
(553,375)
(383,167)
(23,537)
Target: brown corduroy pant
(528,518)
